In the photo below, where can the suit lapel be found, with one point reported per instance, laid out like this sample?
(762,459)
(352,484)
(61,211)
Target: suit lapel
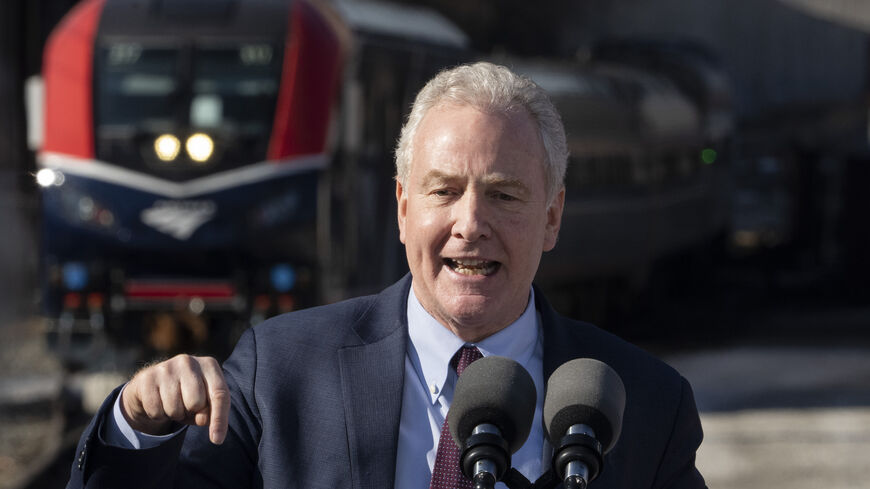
(372,375)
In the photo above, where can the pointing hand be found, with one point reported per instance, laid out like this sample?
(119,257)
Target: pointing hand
(185,389)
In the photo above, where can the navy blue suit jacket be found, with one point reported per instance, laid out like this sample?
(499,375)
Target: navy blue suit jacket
(316,400)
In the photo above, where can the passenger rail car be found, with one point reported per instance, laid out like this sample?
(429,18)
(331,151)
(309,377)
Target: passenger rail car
(648,175)
(208,164)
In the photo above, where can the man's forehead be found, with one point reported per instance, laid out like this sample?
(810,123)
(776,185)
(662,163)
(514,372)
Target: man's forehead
(438,175)
(512,115)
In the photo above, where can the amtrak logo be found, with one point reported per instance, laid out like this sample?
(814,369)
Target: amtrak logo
(179,218)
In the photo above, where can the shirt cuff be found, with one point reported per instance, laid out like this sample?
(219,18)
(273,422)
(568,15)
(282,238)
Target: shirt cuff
(119,433)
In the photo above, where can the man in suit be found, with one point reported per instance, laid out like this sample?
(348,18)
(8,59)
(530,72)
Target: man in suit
(355,394)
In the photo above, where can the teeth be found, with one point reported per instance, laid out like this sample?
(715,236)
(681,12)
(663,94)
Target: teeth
(473,267)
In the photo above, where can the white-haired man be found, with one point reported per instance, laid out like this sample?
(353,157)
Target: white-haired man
(355,394)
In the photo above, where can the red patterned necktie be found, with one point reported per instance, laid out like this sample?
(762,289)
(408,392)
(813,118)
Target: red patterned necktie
(447,474)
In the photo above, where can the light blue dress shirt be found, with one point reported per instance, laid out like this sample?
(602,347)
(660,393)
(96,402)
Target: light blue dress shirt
(429,384)
(426,396)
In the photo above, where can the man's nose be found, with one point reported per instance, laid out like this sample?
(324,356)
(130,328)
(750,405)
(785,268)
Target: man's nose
(471,218)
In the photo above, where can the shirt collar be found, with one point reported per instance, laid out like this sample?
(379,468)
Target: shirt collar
(432,345)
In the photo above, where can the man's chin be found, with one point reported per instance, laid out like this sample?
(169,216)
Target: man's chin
(476,317)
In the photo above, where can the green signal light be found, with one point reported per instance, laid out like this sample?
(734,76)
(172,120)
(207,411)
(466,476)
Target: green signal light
(708,156)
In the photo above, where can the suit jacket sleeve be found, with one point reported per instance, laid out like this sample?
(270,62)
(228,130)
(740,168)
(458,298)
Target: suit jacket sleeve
(677,467)
(188,459)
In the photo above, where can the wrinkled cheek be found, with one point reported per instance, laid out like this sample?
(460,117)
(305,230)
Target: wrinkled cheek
(422,258)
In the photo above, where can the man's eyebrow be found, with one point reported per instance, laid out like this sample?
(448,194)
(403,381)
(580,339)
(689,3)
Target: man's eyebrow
(500,180)
(436,177)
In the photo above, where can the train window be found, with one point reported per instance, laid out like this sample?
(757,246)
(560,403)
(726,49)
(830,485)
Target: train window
(601,171)
(135,83)
(242,81)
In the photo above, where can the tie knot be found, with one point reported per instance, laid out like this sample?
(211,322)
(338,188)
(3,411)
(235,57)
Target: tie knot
(464,357)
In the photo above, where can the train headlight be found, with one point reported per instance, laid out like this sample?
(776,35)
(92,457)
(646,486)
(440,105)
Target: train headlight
(199,147)
(167,147)
(48,177)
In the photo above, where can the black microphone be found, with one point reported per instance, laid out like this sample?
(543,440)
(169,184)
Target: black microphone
(583,418)
(491,416)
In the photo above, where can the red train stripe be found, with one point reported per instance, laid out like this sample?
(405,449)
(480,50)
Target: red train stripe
(141,290)
(309,79)
(68,74)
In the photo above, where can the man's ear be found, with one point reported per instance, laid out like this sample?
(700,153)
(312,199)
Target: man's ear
(554,220)
(402,209)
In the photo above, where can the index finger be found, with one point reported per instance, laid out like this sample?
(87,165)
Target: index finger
(218,398)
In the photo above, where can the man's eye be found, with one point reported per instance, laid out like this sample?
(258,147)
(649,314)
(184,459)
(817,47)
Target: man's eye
(505,197)
(442,192)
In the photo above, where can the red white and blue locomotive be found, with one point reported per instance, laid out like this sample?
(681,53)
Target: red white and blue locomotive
(210,163)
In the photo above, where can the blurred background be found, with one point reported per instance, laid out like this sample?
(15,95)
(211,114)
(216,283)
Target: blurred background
(172,171)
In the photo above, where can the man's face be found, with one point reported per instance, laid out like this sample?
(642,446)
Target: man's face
(474,216)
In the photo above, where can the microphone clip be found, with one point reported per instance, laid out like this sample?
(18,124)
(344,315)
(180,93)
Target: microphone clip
(485,457)
(578,460)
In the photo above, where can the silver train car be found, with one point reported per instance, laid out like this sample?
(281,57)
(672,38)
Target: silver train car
(649,128)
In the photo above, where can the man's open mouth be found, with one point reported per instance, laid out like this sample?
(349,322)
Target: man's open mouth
(472,267)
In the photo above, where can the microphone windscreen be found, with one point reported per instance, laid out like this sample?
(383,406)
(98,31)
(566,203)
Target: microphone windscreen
(584,391)
(497,391)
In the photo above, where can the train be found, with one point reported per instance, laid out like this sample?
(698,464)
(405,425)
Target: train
(205,165)
(650,128)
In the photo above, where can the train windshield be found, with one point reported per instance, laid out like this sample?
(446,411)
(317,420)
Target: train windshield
(145,85)
(146,89)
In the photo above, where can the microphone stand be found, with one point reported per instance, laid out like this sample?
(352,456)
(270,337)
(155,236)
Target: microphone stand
(516,480)
(578,460)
